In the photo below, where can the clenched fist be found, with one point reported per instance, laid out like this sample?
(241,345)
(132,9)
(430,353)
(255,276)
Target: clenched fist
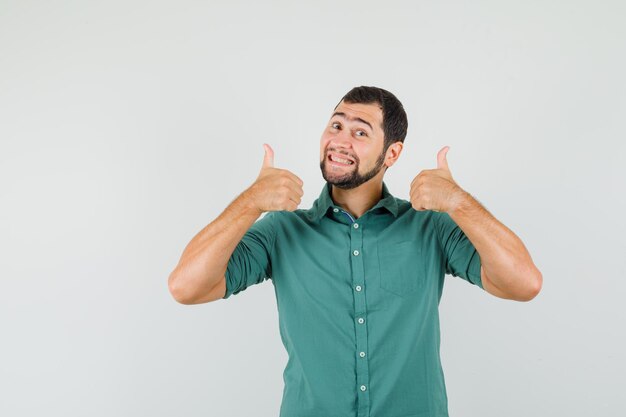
(275,189)
(434,189)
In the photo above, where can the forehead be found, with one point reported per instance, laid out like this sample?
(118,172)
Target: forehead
(368,112)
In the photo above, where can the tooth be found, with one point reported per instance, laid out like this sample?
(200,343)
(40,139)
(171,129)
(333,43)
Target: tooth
(343,161)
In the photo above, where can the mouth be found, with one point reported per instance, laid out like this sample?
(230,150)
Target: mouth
(336,160)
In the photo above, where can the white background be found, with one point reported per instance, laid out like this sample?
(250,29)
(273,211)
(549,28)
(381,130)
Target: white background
(127,126)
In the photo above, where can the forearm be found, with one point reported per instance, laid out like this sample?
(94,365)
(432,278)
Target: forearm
(205,258)
(504,258)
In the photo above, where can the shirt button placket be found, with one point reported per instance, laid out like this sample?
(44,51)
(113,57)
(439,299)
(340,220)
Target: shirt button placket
(360,312)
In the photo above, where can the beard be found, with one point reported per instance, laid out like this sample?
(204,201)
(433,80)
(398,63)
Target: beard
(349,177)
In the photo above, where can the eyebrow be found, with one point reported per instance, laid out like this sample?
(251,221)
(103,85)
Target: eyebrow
(342,114)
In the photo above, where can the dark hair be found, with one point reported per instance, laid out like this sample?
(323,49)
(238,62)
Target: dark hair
(394,123)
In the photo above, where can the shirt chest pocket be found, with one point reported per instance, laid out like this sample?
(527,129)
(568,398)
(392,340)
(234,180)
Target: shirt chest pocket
(401,267)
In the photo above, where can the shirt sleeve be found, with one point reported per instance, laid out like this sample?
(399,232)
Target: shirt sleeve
(461,257)
(250,263)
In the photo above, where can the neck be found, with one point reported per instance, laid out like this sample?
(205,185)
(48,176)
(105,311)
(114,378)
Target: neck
(357,201)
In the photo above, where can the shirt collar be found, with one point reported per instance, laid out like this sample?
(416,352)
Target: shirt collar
(324,202)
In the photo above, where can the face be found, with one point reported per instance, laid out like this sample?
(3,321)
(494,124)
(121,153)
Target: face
(356,135)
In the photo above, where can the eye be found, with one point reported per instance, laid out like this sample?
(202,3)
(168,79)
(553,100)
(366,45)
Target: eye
(364,133)
(333,125)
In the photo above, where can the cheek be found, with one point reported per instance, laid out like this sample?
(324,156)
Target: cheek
(323,145)
(360,152)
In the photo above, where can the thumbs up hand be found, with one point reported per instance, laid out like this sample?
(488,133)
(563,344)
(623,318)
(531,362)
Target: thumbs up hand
(435,189)
(275,189)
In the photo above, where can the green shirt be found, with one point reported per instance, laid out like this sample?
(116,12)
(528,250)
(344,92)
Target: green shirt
(357,303)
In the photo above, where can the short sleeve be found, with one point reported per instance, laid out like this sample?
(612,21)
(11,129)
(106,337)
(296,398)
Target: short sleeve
(461,257)
(250,263)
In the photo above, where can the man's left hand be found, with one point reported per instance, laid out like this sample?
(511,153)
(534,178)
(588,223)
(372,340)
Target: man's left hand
(434,189)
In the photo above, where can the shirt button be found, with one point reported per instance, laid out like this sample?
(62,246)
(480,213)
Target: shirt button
(356,253)
(363,388)
(361,320)
(362,354)
(358,288)
(335,210)
(356,225)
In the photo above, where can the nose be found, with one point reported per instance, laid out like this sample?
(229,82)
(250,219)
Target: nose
(342,140)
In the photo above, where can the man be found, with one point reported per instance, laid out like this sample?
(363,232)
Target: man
(358,276)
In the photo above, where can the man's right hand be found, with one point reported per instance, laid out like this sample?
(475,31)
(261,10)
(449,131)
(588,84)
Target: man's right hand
(275,189)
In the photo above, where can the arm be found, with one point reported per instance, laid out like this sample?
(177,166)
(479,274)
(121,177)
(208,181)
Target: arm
(199,275)
(507,270)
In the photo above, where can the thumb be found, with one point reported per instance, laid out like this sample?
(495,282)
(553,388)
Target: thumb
(442,162)
(268,159)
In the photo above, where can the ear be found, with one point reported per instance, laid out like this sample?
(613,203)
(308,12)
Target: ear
(393,153)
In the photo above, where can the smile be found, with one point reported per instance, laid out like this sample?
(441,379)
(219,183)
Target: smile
(335,160)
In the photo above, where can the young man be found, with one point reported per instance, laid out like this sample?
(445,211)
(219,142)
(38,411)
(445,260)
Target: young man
(358,276)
